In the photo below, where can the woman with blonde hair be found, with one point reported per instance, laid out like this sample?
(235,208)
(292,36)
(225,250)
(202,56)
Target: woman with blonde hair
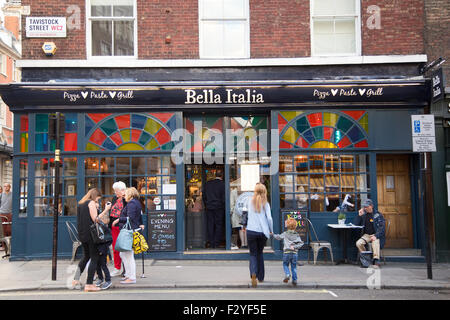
(132,212)
(259,229)
(87,214)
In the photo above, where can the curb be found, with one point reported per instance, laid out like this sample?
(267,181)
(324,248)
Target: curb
(239,286)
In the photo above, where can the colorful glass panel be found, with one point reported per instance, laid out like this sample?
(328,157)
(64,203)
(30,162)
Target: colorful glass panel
(70,142)
(346,129)
(129,132)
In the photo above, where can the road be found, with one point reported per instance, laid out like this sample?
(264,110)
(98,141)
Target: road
(230,294)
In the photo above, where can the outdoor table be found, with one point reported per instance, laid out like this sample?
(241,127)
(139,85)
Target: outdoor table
(343,234)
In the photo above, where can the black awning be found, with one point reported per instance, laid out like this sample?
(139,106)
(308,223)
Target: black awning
(213,94)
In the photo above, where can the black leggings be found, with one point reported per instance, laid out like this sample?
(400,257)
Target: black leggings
(90,252)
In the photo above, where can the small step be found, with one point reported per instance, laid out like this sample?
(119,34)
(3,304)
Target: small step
(402,252)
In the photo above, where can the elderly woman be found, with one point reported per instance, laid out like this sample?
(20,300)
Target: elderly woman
(118,203)
(132,212)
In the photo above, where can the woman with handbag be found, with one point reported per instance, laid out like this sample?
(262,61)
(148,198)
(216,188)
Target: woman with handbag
(259,229)
(87,214)
(132,214)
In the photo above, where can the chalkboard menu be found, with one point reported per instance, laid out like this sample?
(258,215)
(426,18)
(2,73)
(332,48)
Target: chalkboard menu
(162,230)
(302,224)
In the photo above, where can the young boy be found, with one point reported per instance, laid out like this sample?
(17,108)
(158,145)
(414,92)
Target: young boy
(292,243)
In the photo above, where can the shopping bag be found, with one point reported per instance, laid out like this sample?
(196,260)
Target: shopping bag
(139,243)
(365,259)
(124,240)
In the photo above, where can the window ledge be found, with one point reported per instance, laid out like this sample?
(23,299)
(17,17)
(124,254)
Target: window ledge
(182,63)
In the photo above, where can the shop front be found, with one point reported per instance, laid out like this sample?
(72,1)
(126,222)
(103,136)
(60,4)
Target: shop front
(321,148)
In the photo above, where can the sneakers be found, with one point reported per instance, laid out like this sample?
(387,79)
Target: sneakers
(234,247)
(128,281)
(98,282)
(254,282)
(116,273)
(294,283)
(106,285)
(286,279)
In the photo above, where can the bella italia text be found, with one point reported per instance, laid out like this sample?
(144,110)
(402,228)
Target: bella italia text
(210,97)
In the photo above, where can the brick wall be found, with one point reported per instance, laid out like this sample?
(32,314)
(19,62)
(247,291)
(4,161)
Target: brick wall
(437,34)
(71,47)
(278,28)
(401,27)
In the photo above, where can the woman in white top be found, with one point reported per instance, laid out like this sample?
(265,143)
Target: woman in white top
(259,228)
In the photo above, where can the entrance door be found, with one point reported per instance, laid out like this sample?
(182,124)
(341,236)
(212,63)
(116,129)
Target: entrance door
(195,220)
(394,199)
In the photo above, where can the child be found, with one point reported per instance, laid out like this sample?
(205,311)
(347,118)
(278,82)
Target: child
(292,243)
(103,249)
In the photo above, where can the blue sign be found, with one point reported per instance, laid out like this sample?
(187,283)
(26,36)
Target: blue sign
(416,126)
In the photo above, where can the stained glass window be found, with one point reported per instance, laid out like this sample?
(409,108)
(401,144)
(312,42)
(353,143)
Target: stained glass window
(327,130)
(129,132)
(24,133)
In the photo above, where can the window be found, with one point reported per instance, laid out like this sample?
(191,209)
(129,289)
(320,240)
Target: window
(335,27)
(153,177)
(112,28)
(324,182)
(224,29)
(3,64)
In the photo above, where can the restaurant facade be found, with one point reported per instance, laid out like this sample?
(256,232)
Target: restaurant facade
(316,145)
(312,98)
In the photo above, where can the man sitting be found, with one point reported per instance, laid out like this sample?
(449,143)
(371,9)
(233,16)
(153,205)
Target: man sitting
(373,230)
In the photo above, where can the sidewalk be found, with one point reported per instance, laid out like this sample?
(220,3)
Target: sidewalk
(36,275)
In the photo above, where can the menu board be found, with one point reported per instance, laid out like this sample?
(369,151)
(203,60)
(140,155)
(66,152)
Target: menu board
(162,231)
(302,223)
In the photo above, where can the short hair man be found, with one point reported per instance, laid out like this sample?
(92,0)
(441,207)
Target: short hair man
(373,230)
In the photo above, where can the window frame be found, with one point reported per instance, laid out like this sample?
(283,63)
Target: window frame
(358,34)
(201,35)
(89,20)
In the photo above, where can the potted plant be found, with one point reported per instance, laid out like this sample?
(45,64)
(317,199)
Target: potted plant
(341,218)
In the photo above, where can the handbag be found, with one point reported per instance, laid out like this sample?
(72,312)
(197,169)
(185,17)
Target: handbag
(124,240)
(139,243)
(244,218)
(100,233)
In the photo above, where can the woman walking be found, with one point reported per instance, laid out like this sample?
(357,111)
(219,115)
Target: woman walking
(87,214)
(118,203)
(259,229)
(133,213)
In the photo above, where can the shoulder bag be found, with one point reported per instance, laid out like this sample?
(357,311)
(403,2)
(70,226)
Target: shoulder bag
(100,233)
(124,240)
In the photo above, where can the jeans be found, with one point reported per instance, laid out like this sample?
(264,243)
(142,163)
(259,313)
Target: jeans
(290,258)
(256,242)
(90,252)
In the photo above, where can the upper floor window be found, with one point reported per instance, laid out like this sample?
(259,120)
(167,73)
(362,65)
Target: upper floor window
(111,28)
(3,64)
(224,29)
(335,27)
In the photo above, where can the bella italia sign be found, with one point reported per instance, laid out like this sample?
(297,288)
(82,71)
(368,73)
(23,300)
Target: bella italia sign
(175,95)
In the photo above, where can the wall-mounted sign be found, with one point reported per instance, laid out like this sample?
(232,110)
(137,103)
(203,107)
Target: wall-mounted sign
(437,85)
(46,27)
(423,133)
(49,48)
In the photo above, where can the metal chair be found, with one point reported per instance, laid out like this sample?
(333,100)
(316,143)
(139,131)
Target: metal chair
(73,233)
(317,245)
(4,239)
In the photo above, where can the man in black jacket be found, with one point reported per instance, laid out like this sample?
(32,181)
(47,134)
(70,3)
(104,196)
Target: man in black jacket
(373,230)
(214,200)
